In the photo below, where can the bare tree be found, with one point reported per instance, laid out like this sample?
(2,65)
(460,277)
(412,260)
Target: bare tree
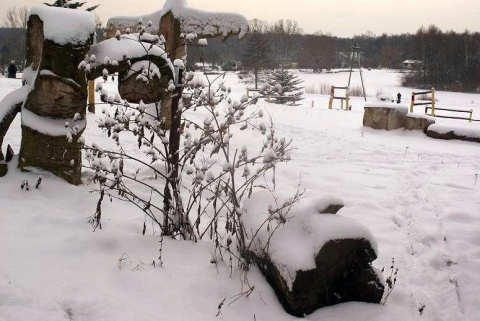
(256,56)
(317,52)
(258,26)
(14,41)
(390,57)
(284,36)
(16,17)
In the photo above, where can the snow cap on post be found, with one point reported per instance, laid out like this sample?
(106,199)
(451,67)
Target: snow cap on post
(179,63)
(179,67)
(64,26)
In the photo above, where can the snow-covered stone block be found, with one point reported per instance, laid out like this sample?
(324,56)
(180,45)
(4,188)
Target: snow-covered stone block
(385,115)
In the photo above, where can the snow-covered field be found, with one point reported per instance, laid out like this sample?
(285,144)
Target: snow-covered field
(419,196)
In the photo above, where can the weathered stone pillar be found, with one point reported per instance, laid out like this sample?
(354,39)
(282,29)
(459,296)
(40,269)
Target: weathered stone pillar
(58,93)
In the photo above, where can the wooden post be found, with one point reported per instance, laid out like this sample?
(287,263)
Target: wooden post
(347,98)
(175,47)
(330,102)
(433,101)
(91,96)
(313,103)
(171,188)
(471,115)
(412,103)
(171,30)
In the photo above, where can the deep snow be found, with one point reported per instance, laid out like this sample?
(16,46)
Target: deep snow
(418,196)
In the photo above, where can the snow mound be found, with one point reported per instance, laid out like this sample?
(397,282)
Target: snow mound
(463,129)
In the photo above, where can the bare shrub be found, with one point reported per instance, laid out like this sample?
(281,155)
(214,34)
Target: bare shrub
(425,97)
(320,89)
(356,91)
(380,92)
(190,180)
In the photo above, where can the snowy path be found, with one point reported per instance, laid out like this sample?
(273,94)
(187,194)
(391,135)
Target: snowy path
(419,216)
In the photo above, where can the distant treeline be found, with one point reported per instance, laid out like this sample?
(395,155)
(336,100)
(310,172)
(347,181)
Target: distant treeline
(448,60)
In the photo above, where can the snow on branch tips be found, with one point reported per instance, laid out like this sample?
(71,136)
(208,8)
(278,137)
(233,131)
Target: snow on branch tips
(204,24)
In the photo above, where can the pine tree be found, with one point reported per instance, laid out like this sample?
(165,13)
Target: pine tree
(289,83)
(69,4)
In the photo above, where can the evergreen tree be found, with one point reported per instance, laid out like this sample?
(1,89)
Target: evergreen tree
(69,4)
(289,83)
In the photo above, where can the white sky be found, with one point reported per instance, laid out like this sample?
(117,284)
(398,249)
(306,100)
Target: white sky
(343,18)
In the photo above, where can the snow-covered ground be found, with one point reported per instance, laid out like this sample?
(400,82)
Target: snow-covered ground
(419,197)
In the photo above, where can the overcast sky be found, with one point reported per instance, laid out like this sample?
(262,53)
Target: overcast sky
(343,18)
